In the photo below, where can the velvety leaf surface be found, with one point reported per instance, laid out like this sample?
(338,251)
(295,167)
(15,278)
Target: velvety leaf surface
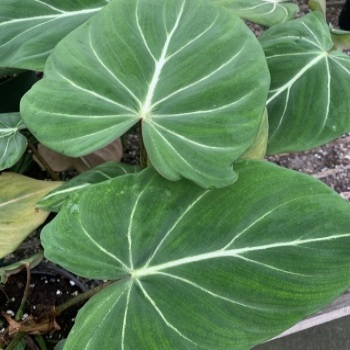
(54,200)
(18,215)
(264,12)
(12,142)
(30,29)
(202,269)
(182,68)
(308,103)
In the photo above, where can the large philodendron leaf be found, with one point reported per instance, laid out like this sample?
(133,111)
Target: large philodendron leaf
(202,269)
(18,215)
(185,69)
(12,142)
(308,102)
(264,12)
(30,29)
(54,200)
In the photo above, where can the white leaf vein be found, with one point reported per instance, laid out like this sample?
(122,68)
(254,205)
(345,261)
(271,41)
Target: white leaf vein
(141,32)
(297,76)
(174,149)
(169,325)
(112,74)
(101,323)
(159,64)
(54,16)
(125,316)
(99,246)
(232,253)
(207,291)
(270,267)
(180,218)
(95,94)
(131,220)
(187,140)
(201,80)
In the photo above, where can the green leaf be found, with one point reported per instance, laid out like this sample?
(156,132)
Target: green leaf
(54,200)
(12,142)
(258,149)
(30,29)
(12,269)
(21,345)
(318,5)
(184,69)
(340,38)
(18,215)
(60,345)
(308,100)
(264,12)
(202,269)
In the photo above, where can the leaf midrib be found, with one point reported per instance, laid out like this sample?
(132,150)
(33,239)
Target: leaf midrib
(227,253)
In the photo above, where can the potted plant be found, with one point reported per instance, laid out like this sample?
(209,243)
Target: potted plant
(207,246)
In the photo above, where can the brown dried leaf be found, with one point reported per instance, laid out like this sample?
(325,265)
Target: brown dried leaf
(59,162)
(33,326)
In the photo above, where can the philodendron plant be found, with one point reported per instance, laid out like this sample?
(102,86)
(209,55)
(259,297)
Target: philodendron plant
(209,246)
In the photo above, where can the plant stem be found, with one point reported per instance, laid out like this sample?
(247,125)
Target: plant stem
(19,312)
(41,342)
(143,152)
(81,297)
(15,341)
(46,165)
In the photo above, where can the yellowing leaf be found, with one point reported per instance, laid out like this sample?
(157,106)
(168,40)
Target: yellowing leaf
(18,214)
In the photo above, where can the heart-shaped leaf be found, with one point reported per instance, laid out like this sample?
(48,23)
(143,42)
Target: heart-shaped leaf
(264,12)
(54,200)
(202,269)
(308,102)
(30,29)
(18,215)
(12,142)
(185,69)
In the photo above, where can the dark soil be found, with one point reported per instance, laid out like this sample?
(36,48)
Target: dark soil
(48,288)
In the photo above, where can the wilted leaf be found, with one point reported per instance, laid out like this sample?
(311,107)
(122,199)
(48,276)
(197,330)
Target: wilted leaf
(12,269)
(60,162)
(18,215)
